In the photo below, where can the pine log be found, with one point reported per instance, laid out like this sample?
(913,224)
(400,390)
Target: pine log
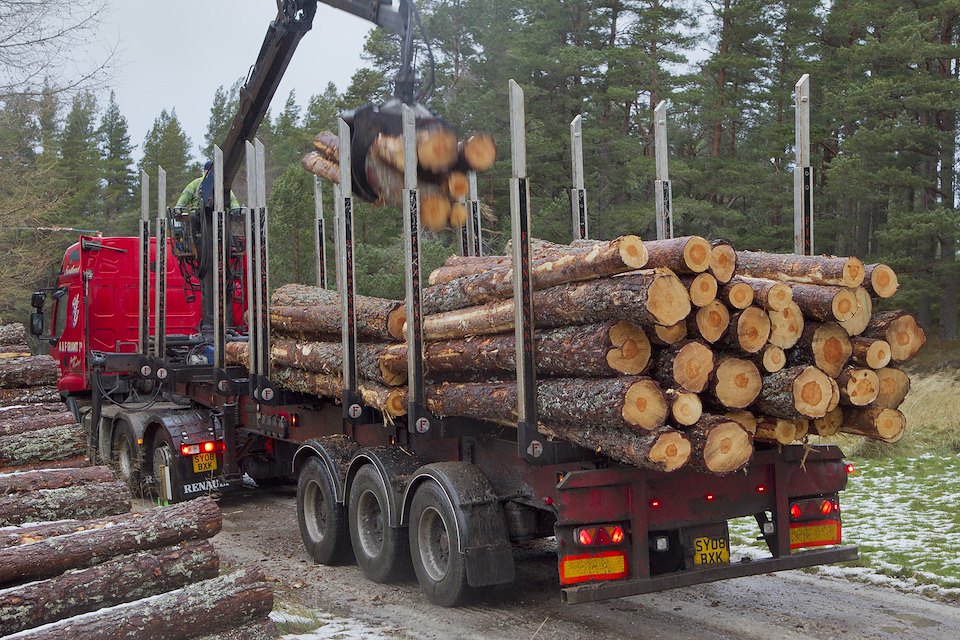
(824,303)
(391,401)
(861,317)
(318,310)
(824,345)
(14,351)
(880,280)
(858,387)
(436,147)
(748,331)
(316,163)
(626,402)
(803,429)
(478,151)
(834,395)
(14,412)
(327,144)
(709,322)
(32,395)
(786,326)
(642,297)
(114,582)
(719,445)
(625,253)
(685,407)
(686,365)
(768,294)
(52,443)
(901,330)
(462,266)
(744,418)
(795,392)
(829,424)
(776,430)
(458,215)
(30,533)
(458,185)
(76,462)
(323,357)
(435,207)
(894,385)
(770,359)
(389,149)
(824,270)
(12,426)
(665,336)
(663,449)
(869,352)
(605,349)
(736,294)
(689,254)
(702,288)
(11,483)
(14,333)
(736,382)
(151,529)
(877,423)
(76,502)
(205,607)
(723,261)
(32,371)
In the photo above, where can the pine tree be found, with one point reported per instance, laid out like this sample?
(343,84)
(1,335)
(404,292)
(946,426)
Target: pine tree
(167,145)
(79,165)
(289,141)
(119,200)
(322,111)
(291,218)
(222,112)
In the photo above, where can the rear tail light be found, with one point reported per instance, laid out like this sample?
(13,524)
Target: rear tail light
(850,469)
(211,446)
(796,511)
(190,449)
(826,507)
(600,536)
(585,536)
(655,504)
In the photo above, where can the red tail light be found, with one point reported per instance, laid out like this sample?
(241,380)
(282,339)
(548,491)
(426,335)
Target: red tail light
(207,447)
(585,536)
(795,512)
(826,507)
(599,536)
(616,535)
(654,504)
(709,497)
(761,488)
(850,469)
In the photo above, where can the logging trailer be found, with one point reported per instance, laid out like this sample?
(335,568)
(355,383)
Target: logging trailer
(450,495)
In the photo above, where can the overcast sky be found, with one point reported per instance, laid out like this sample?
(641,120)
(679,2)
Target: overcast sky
(175,53)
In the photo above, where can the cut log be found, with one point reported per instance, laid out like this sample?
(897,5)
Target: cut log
(11,483)
(76,502)
(391,401)
(768,294)
(642,297)
(894,385)
(880,280)
(14,351)
(626,402)
(776,430)
(737,294)
(861,318)
(723,261)
(435,207)
(710,322)
(52,443)
(719,445)
(205,607)
(23,424)
(876,423)
(786,326)
(436,147)
(869,352)
(842,272)
(824,345)
(702,288)
(748,331)
(689,254)
(795,392)
(29,410)
(75,462)
(803,429)
(114,582)
(626,253)
(323,357)
(327,144)
(14,333)
(462,266)
(458,215)
(665,336)
(858,387)
(478,151)
(319,165)
(829,424)
(32,395)
(825,303)
(32,371)
(389,149)
(663,449)
(770,359)
(303,308)
(685,407)
(834,395)
(736,382)
(901,330)
(686,365)
(458,185)
(745,419)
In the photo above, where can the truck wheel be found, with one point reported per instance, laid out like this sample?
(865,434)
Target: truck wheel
(165,454)
(125,455)
(381,550)
(323,522)
(440,567)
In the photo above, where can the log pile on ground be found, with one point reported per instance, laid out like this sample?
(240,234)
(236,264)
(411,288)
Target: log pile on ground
(658,354)
(24,378)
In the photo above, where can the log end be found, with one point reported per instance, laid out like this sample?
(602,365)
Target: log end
(844,304)
(829,425)
(853,273)
(737,383)
(834,395)
(728,448)
(740,295)
(703,289)
(671,450)
(723,262)
(878,354)
(633,252)
(668,300)
(687,408)
(772,358)
(831,348)
(670,335)
(458,215)
(631,352)
(786,326)
(776,430)
(712,321)
(458,184)
(434,211)
(396,322)
(645,405)
(906,337)
(436,148)
(697,254)
(753,329)
(883,281)
(779,297)
(480,151)
(692,366)
(861,387)
(745,419)
(894,386)
(812,393)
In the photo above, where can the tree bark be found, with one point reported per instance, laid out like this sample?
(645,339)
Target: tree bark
(858,387)
(74,462)
(11,483)
(769,294)
(880,280)
(689,254)
(723,261)
(824,303)
(823,270)
(702,288)
(709,322)
(824,345)
(32,423)
(795,392)
(861,317)
(114,582)
(894,385)
(663,449)
(33,395)
(327,144)
(323,357)
(735,383)
(52,443)
(719,445)
(151,529)
(14,333)
(876,423)
(455,267)
(318,164)
(736,294)
(205,607)
(869,352)
(75,502)
(786,326)
(643,297)
(14,351)
(40,409)
(748,330)
(686,365)
(303,308)
(391,401)
(901,330)
(32,371)
(744,418)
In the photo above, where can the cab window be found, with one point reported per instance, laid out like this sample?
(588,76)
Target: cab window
(61,305)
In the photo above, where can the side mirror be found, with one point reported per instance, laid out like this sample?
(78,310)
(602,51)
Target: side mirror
(36,323)
(37,300)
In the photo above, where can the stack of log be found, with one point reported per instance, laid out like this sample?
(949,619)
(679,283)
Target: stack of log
(24,378)
(659,354)
(443,164)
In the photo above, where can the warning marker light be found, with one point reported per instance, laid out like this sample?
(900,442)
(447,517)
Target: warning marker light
(709,497)
(654,504)
(795,511)
(761,488)
(616,535)
(850,469)
(585,537)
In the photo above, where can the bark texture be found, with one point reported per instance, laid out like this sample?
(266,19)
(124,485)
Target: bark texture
(81,502)
(663,449)
(14,333)
(391,401)
(11,483)
(689,254)
(31,395)
(876,423)
(31,371)
(50,444)
(843,272)
(825,303)
(44,420)
(318,310)
(795,392)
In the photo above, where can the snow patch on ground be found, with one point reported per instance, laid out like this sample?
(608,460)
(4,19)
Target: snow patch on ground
(329,627)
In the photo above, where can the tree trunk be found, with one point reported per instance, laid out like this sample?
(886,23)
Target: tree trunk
(477,151)
(900,330)
(737,294)
(50,444)
(685,407)
(151,529)
(13,426)
(327,144)
(689,254)
(625,253)
(876,423)
(43,409)
(391,401)
(14,351)
(323,357)
(33,395)
(436,147)
(75,502)
(786,326)
(663,449)
(735,383)
(318,164)
(770,359)
(824,345)
(869,352)
(825,303)
(893,387)
(14,333)
(723,261)
(643,297)
(842,272)
(795,392)
(829,425)
(455,267)
(74,462)
(702,288)
(32,371)
(880,280)
(709,322)
(11,483)
(303,308)
(205,607)
(861,317)
(858,387)
(769,294)
(686,365)
(719,445)
(114,582)
(776,430)
(748,331)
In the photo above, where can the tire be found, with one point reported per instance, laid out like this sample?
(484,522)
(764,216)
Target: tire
(164,453)
(125,456)
(382,551)
(440,567)
(323,523)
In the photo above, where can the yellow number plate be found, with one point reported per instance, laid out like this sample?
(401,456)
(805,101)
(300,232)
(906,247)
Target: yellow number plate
(710,551)
(203,462)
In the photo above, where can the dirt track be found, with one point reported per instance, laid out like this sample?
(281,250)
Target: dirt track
(261,526)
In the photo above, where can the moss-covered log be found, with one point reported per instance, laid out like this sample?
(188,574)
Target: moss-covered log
(80,502)
(50,444)
(31,395)
(14,333)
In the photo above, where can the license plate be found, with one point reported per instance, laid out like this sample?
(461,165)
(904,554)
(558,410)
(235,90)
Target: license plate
(711,551)
(203,462)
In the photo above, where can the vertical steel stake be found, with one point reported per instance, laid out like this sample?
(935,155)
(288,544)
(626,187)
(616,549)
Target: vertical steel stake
(474,232)
(352,407)
(803,173)
(143,321)
(219,264)
(253,255)
(261,231)
(664,194)
(160,249)
(578,194)
(320,237)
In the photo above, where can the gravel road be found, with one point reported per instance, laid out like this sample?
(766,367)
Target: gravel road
(261,526)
